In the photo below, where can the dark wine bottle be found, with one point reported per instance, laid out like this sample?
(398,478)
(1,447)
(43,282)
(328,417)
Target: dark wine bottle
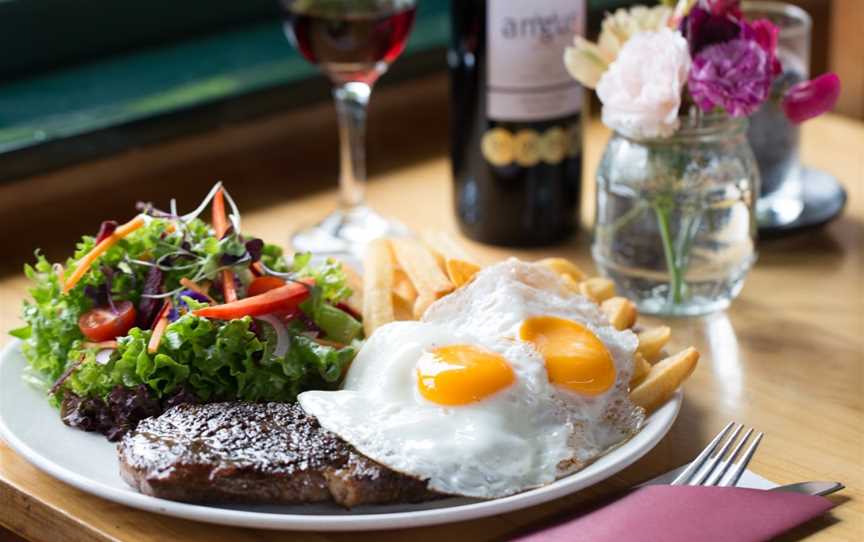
(516,120)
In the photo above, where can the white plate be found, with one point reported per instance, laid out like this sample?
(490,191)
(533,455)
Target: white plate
(89,462)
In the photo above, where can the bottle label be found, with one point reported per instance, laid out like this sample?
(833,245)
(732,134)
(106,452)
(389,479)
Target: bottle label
(527,147)
(525,41)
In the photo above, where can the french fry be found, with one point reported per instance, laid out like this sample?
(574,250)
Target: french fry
(402,287)
(663,379)
(565,268)
(597,289)
(444,247)
(404,293)
(355,282)
(621,312)
(422,268)
(570,284)
(377,286)
(652,341)
(460,271)
(402,309)
(641,368)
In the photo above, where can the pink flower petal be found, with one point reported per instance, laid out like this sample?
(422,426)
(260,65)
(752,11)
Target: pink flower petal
(811,98)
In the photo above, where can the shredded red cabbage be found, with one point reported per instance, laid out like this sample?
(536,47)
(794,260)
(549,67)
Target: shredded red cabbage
(105,229)
(255,247)
(148,307)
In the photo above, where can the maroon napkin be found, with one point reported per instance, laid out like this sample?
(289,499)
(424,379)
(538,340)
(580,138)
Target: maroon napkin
(683,513)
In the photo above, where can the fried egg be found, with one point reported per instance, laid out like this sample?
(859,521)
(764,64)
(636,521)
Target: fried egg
(506,384)
(589,363)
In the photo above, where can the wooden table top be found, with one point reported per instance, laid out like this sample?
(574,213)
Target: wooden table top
(786,358)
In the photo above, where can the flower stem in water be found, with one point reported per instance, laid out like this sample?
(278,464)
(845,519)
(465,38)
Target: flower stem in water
(663,209)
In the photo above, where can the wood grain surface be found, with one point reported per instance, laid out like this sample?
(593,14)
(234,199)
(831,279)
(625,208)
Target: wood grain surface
(786,358)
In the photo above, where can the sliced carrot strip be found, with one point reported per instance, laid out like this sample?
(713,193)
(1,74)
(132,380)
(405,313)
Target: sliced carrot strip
(220,225)
(229,289)
(220,221)
(88,259)
(159,328)
(283,299)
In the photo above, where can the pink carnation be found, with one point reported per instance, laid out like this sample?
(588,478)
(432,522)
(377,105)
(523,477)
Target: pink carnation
(765,33)
(641,90)
(735,76)
(725,8)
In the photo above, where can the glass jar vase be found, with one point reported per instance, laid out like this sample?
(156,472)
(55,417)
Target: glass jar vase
(675,227)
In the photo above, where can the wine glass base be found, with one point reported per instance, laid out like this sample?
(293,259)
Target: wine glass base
(783,205)
(823,199)
(774,212)
(346,233)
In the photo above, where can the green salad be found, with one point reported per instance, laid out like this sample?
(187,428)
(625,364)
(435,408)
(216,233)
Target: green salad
(168,308)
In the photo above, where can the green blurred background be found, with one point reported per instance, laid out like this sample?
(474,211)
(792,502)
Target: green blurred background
(84,79)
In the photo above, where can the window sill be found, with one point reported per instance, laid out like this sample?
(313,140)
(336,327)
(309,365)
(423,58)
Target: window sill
(112,104)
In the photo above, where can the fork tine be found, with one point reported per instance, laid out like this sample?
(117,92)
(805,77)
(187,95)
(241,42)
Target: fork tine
(712,463)
(739,468)
(694,466)
(726,463)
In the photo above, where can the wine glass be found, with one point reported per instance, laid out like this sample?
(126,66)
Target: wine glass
(353,42)
(774,138)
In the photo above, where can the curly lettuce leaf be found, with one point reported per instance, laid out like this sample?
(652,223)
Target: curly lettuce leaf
(52,317)
(329,277)
(331,287)
(273,257)
(214,360)
(52,320)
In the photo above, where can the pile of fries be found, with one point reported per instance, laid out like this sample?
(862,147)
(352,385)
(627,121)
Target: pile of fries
(403,276)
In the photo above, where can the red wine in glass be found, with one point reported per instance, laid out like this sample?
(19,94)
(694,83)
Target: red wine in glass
(353,42)
(351,45)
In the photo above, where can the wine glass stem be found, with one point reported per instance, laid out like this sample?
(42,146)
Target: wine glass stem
(351,100)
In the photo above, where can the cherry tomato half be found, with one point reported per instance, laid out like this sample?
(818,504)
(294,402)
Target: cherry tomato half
(263,284)
(103,323)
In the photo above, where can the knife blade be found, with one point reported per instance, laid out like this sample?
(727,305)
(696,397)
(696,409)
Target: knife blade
(811,488)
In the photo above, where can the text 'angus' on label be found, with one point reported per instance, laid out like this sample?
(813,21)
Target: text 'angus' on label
(526,78)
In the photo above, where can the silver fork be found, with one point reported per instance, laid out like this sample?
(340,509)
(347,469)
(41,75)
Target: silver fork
(709,470)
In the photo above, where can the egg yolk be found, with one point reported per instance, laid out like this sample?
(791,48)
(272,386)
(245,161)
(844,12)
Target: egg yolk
(575,358)
(460,374)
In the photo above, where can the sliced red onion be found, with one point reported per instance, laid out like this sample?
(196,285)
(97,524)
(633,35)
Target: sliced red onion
(283,340)
(103,356)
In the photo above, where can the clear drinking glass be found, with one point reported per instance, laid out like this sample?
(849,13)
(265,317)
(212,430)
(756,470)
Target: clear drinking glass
(674,226)
(353,42)
(774,139)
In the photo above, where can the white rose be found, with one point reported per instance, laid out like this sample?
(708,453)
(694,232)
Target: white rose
(641,90)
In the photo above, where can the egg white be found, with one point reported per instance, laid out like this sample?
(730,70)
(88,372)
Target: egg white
(524,436)
(496,303)
(499,445)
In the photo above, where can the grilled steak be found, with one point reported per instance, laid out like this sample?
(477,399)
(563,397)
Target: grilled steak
(254,453)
